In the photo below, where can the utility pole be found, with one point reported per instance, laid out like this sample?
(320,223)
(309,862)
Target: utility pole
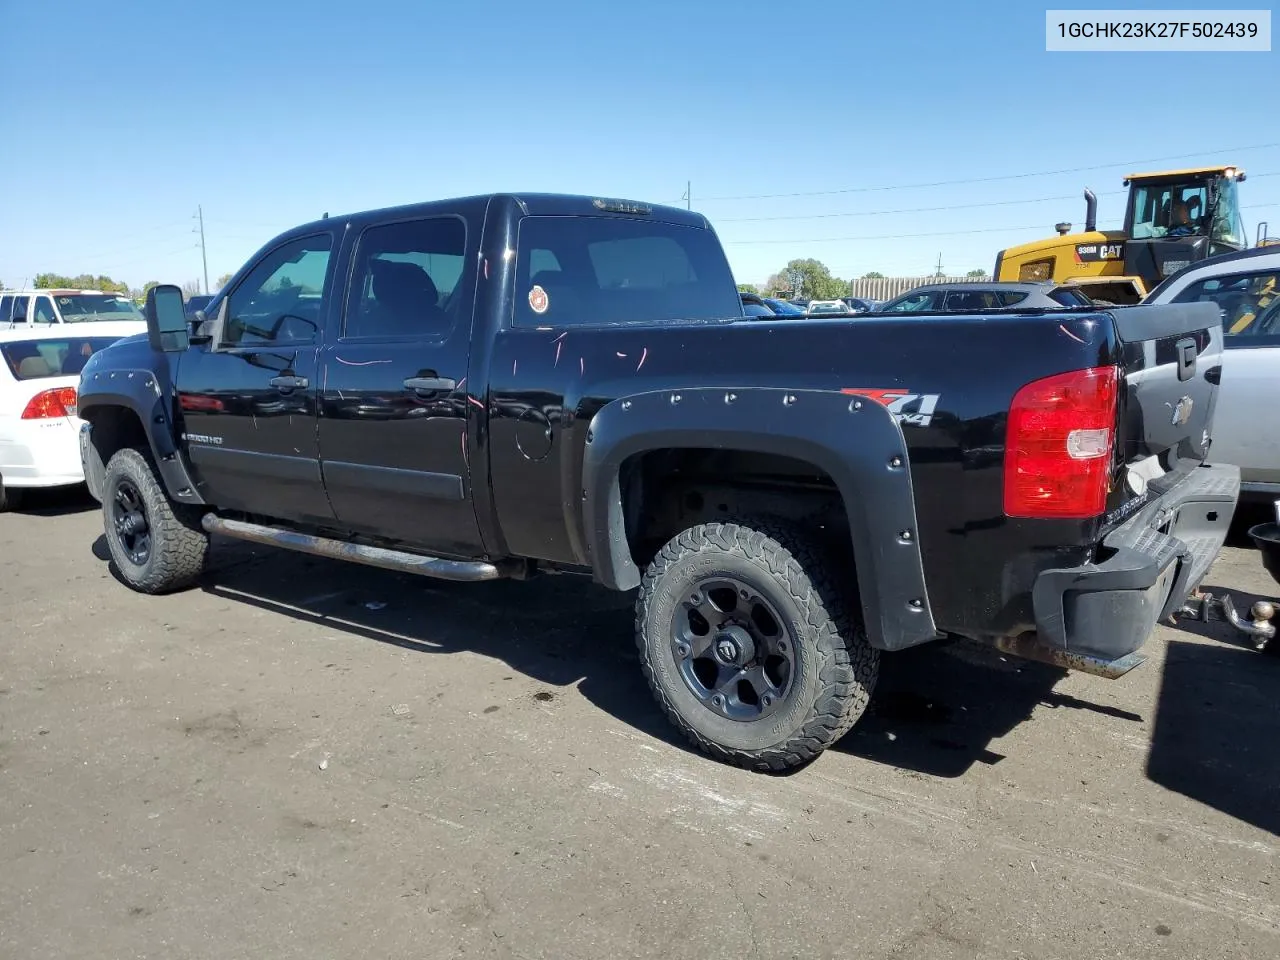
(939,271)
(688,195)
(203,257)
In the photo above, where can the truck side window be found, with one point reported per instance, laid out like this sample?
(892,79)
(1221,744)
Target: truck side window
(16,310)
(282,299)
(44,311)
(405,278)
(1248,303)
(596,270)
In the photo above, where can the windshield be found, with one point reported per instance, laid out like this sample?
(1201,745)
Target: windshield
(82,307)
(34,359)
(1228,225)
(1182,209)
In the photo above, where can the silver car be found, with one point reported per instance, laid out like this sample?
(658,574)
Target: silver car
(1246,424)
(976,297)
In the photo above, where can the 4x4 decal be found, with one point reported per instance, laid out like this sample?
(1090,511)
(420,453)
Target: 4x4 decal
(914,409)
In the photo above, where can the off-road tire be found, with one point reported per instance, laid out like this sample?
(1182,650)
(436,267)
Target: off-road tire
(835,667)
(178,543)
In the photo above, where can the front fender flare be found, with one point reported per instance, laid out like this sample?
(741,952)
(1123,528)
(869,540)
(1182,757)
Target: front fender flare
(143,393)
(857,442)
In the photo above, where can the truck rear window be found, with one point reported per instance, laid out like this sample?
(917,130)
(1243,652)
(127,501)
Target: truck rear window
(36,359)
(596,270)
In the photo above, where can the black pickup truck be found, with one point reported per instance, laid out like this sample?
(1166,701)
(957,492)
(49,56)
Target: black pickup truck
(505,385)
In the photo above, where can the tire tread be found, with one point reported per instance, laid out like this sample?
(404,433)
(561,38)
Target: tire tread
(848,665)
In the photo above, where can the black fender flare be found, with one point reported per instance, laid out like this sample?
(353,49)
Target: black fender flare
(856,441)
(149,396)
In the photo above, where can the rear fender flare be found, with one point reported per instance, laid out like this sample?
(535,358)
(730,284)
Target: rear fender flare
(149,398)
(856,441)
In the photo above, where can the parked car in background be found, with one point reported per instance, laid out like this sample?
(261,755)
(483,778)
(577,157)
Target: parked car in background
(783,308)
(753,305)
(828,308)
(198,302)
(39,371)
(25,309)
(1246,288)
(860,304)
(968,297)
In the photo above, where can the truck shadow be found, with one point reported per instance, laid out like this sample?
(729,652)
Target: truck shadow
(937,708)
(1216,731)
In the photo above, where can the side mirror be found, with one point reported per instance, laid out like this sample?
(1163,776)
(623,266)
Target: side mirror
(166,319)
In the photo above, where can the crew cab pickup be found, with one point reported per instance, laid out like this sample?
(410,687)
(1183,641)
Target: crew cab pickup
(506,385)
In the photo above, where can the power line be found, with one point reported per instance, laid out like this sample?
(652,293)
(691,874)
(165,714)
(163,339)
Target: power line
(1009,176)
(877,213)
(893,236)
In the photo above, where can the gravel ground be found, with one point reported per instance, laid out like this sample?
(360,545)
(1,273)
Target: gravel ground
(307,759)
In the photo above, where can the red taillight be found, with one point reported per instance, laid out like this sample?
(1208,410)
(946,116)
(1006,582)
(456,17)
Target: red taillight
(58,402)
(1057,458)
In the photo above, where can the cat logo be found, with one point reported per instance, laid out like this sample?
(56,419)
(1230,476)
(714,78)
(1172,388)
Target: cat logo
(910,409)
(1095,252)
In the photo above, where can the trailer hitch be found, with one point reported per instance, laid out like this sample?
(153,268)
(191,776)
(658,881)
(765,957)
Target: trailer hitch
(1258,626)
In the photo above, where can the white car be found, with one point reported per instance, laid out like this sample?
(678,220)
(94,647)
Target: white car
(1246,423)
(39,378)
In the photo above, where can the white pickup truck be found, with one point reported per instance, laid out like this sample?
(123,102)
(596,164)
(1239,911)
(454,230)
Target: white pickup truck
(1246,286)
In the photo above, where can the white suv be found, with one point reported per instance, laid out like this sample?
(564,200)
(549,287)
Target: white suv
(1246,425)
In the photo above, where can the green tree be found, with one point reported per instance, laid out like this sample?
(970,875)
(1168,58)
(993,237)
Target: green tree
(812,278)
(873,275)
(976,273)
(748,288)
(85,281)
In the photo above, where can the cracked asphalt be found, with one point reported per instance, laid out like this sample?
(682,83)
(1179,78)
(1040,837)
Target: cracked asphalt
(302,758)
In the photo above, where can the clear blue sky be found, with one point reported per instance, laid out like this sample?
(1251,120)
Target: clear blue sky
(119,122)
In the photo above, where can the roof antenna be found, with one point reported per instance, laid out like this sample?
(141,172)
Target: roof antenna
(326,215)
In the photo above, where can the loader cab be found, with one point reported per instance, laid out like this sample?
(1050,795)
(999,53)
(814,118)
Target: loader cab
(1180,217)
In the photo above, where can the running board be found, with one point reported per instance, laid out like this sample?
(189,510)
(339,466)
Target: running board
(1030,647)
(465,570)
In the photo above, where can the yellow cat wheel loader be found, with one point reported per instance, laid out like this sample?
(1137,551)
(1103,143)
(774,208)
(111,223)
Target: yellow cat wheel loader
(1172,218)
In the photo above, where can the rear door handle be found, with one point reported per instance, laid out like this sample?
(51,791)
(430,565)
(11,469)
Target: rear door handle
(285,384)
(429,384)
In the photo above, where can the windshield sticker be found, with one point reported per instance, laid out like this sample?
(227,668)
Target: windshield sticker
(538,300)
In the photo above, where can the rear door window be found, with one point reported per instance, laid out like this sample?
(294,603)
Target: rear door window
(38,359)
(574,271)
(1248,302)
(14,309)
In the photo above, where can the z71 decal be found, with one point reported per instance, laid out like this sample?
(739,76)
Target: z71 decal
(913,409)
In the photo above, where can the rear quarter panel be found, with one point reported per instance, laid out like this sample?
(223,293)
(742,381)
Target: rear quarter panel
(545,385)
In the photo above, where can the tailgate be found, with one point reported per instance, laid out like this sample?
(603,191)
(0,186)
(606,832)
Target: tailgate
(1172,366)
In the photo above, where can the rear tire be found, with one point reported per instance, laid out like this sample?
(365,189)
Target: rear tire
(157,546)
(748,645)
(10,497)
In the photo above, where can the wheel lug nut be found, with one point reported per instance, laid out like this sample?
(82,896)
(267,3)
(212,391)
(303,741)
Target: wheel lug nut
(767,700)
(718,700)
(683,650)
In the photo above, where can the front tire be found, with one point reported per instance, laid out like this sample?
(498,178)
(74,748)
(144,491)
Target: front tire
(157,546)
(747,644)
